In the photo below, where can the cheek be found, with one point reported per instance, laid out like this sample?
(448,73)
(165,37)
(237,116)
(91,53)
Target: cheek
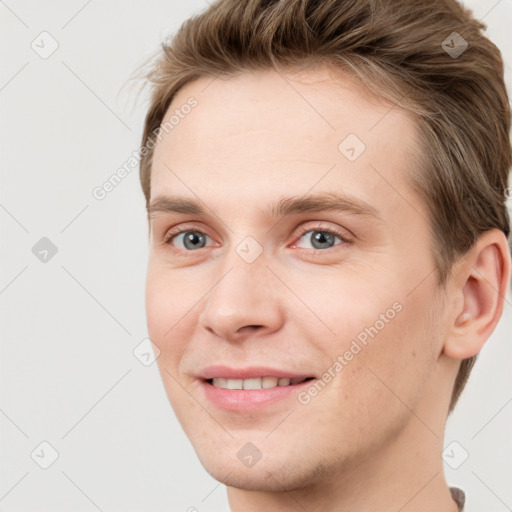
(159,306)
(169,297)
(164,311)
(349,307)
(398,358)
(390,370)
(383,334)
(167,305)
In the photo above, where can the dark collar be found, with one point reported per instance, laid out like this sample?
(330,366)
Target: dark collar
(459,497)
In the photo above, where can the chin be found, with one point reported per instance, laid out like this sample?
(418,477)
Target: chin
(269,474)
(247,479)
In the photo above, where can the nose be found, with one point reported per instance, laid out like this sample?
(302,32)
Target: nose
(244,303)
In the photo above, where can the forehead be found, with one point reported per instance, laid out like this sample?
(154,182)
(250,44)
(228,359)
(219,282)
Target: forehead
(286,130)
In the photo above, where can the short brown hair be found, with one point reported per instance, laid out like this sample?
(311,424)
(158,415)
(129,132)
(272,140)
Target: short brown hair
(400,49)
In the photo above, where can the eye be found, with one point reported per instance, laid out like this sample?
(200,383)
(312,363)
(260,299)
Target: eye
(321,238)
(190,240)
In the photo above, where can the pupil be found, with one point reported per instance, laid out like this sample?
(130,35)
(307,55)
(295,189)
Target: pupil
(193,238)
(320,239)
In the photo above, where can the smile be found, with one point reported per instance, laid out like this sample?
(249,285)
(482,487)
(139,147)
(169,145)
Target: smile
(256,383)
(250,389)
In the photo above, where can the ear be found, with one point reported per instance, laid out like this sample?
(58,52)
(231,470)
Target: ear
(479,284)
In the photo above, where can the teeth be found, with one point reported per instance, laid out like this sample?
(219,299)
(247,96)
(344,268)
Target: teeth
(269,382)
(254,383)
(234,383)
(221,383)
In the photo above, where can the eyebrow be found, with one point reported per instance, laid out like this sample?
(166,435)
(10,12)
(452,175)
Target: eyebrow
(284,206)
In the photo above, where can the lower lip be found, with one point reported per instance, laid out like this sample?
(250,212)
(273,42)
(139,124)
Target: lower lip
(241,400)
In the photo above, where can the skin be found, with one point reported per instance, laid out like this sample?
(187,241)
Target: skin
(372,438)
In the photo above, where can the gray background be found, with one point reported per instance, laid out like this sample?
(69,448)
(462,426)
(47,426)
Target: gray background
(70,325)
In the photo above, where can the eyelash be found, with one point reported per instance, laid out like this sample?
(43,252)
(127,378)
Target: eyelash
(331,231)
(170,235)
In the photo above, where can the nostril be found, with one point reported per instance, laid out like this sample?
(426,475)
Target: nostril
(250,327)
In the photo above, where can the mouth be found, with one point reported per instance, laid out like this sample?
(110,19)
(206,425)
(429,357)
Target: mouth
(250,389)
(267,382)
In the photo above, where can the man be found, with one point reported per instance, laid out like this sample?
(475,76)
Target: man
(326,187)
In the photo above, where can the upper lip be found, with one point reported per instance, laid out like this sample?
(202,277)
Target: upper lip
(225,372)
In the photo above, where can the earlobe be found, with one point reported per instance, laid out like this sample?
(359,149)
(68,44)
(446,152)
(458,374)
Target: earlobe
(481,282)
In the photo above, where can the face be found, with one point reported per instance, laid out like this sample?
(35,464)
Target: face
(289,287)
